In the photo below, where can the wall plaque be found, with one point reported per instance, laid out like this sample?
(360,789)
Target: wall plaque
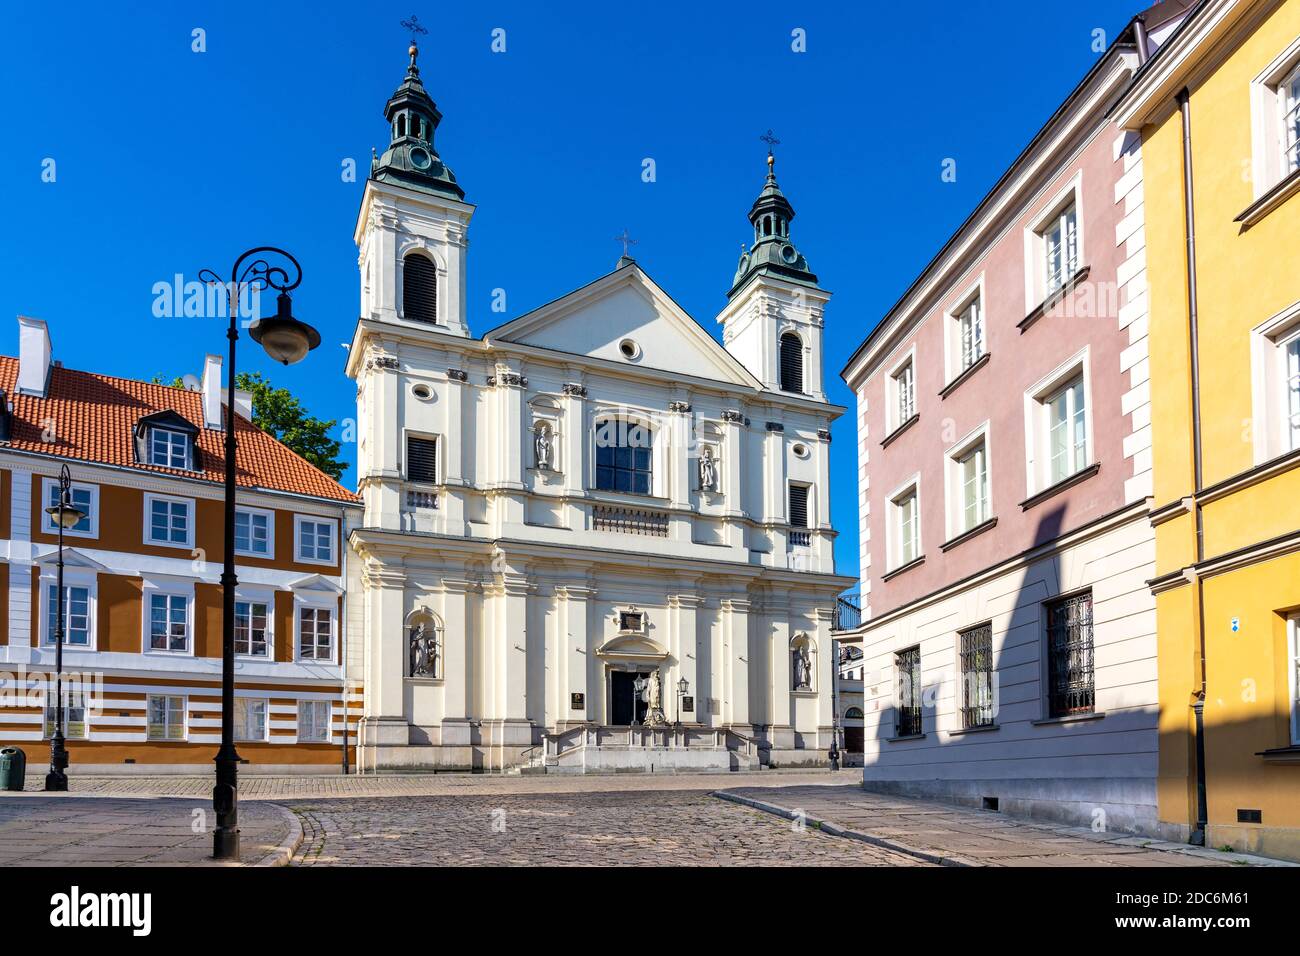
(577,701)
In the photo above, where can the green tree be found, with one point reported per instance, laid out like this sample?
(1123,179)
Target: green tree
(278,412)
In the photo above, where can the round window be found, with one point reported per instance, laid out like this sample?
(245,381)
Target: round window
(800,450)
(422,392)
(629,349)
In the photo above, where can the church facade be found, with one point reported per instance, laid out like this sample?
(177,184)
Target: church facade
(594,538)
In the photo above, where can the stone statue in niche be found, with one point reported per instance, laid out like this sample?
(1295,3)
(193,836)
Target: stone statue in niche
(708,470)
(424,651)
(543,447)
(802,668)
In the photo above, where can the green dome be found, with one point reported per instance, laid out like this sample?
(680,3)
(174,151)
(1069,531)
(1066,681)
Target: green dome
(410,159)
(773,250)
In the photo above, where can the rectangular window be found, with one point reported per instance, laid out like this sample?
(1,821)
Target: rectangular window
(908,662)
(169,521)
(623,457)
(313,720)
(170,449)
(316,634)
(76,615)
(904,394)
(1067,432)
(83,497)
(250,718)
(168,623)
(970,333)
(1294,627)
(74,716)
(250,628)
(976,653)
(1061,248)
(1289,98)
(1291,399)
(907,529)
(1069,656)
(166,717)
(973,472)
(315,540)
(798,506)
(421,460)
(253,532)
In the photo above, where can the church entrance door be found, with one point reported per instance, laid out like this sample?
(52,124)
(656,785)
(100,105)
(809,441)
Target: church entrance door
(625,704)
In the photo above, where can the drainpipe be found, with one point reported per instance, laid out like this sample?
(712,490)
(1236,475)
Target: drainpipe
(343,642)
(1197,837)
(1140,40)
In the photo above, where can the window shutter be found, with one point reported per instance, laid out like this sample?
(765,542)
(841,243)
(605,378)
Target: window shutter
(798,506)
(419,289)
(791,363)
(422,460)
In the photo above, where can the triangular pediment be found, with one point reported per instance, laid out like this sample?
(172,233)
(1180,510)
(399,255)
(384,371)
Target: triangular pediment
(72,558)
(315,582)
(626,306)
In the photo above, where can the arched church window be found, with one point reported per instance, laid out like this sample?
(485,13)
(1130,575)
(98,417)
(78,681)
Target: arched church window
(419,289)
(767,225)
(401,125)
(623,456)
(424,644)
(791,363)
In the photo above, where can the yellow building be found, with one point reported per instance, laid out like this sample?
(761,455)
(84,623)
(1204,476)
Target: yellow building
(1217,110)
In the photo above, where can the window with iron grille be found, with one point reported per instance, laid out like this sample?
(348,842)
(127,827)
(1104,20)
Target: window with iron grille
(908,723)
(422,460)
(1069,656)
(976,653)
(419,289)
(791,363)
(798,506)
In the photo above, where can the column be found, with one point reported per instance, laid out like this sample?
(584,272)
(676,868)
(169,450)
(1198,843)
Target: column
(512,646)
(457,659)
(573,450)
(510,440)
(381,485)
(575,653)
(385,720)
(774,493)
(451,507)
(686,651)
(779,684)
(678,462)
(735,622)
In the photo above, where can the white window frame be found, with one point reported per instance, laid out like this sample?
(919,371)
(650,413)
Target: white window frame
(171,587)
(187,438)
(954,481)
(894,526)
(188,543)
(893,416)
(258,596)
(47,715)
(298,556)
(329,718)
(1267,108)
(1269,397)
(1037,449)
(954,364)
(633,418)
(269,554)
(72,578)
(326,603)
(266,717)
(1036,266)
(1293,682)
(49,485)
(185,718)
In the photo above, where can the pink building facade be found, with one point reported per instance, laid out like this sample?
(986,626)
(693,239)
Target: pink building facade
(1008,635)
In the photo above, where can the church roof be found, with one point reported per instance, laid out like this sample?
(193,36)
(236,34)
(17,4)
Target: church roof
(773,251)
(411,159)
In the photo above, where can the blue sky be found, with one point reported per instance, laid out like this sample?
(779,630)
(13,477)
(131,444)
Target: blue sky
(167,160)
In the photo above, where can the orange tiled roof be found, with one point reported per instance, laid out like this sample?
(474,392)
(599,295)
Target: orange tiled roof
(92,418)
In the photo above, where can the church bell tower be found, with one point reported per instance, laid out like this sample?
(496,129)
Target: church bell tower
(772,322)
(413,226)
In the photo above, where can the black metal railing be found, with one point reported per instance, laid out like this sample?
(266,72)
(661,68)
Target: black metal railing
(848,613)
(630,521)
(976,659)
(1069,656)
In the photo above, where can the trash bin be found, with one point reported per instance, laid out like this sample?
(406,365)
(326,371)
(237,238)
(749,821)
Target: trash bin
(13,768)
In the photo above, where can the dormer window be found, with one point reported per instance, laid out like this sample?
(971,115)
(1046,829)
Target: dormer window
(166,440)
(168,448)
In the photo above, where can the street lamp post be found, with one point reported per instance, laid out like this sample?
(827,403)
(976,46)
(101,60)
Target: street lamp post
(65,515)
(682,687)
(286,340)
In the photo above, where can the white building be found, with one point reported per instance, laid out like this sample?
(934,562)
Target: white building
(589,511)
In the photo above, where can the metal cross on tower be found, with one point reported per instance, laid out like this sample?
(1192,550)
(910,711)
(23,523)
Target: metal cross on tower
(413,25)
(627,241)
(771,141)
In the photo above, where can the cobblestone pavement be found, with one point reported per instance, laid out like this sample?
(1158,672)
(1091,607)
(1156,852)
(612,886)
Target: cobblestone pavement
(977,838)
(254,786)
(595,828)
(120,831)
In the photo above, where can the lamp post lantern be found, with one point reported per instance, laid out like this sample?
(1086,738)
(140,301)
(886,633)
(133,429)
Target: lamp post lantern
(287,340)
(65,515)
(683,686)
